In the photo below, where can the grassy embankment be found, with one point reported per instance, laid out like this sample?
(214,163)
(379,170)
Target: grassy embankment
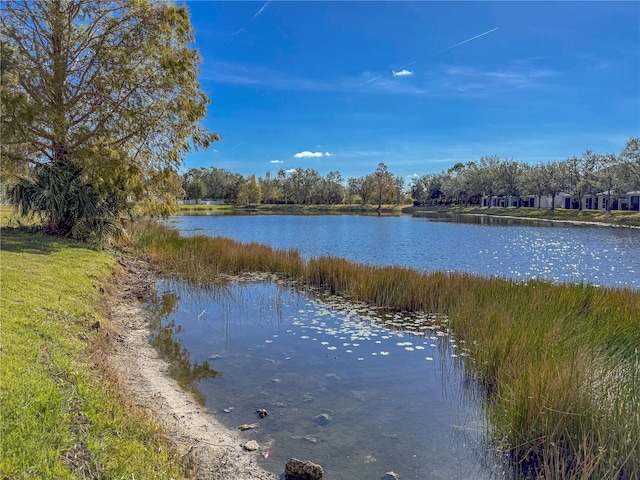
(61,413)
(614,217)
(290,209)
(559,364)
(597,216)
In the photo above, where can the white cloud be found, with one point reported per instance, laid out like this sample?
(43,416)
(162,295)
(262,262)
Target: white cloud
(307,154)
(291,170)
(402,73)
(276,161)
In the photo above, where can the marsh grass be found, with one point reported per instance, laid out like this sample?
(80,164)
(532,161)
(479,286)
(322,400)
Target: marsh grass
(62,413)
(558,364)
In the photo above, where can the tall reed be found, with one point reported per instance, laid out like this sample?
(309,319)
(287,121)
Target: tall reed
(559,364)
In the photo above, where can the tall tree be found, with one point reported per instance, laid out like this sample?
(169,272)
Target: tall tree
(381,185)
(509,177)
(101,99)
(583,175)
(356,191)
(484,176)
(268,188)
(282,181)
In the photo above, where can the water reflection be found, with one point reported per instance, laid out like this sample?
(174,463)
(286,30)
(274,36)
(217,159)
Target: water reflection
(481,219)
(163,330)
(358,389)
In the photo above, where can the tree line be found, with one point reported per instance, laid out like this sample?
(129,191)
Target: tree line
(298,186)
(462,184)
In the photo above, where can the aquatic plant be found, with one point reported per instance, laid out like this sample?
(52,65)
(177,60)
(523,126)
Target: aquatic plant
(559,364)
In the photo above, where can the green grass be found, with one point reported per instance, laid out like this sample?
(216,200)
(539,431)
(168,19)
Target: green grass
(559,364)
(205,208)
(277,208)
(598,216)
(62,415)
(625,218)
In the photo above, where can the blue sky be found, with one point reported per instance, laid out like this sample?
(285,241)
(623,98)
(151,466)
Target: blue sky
(416,85)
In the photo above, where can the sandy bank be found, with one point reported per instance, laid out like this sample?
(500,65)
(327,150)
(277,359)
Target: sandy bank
(205,443)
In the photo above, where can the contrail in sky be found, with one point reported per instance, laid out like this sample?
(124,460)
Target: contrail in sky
(453,46)
(262,9)
(369,81)
(258,13)
(438,53)
(467,40)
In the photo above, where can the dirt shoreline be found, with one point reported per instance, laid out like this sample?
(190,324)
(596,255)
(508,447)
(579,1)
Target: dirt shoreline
(211,449)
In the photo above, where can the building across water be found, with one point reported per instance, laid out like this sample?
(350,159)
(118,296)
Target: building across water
(608,200)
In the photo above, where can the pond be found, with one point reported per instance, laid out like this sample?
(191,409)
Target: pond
(358,390)
(511,248)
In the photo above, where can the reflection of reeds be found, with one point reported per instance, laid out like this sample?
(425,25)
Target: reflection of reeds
(185,371)
(559,364)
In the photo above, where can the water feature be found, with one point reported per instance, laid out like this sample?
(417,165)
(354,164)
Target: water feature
(359,390)
(505,247)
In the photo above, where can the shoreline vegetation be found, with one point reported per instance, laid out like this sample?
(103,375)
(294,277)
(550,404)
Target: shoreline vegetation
(558,364)
(617,218)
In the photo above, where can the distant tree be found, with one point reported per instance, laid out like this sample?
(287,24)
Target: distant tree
(356,192)
(582,174)
(554,179)
(99,100)
(254,192)
(242,198)
(533,181)
(484,176)
(194,188)
(427,189)
(381,186)
(268,188)
(457,183)
(509,176)
(303,185)
(398,190)
(629,159)
(282,181)
(330,189)
(418,190)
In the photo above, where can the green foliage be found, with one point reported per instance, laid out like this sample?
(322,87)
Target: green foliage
(194,189)
(104,93)
(73,207)
(381,186)
(61,416)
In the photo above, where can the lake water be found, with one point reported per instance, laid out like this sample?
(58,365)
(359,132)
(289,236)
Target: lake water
(362,391)
(558,252)
(359,391)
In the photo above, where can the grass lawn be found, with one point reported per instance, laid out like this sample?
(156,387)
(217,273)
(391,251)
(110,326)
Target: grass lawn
(61,414)
(615,217)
